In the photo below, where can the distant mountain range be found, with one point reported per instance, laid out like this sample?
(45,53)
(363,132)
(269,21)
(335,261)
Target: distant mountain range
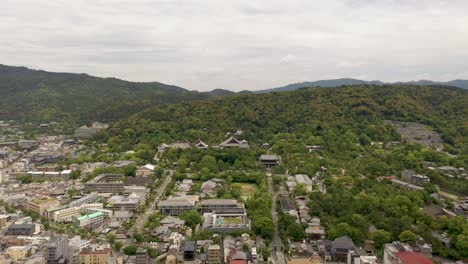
(41,96)
(36,95)
(348,81)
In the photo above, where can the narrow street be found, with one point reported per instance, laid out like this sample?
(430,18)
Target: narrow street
(141,220)
(276,256)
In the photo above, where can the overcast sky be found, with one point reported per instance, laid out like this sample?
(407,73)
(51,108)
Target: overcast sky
(240,44)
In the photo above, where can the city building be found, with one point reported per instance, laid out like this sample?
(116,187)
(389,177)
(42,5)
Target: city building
(106,183)
(175,206)
(214,254)
(221,205)
(89,198)
(122,203)
(90,220)
(20,230)
(189,249)
(40,205)
(225,222)
(95,255)
(340,248)
(57,250)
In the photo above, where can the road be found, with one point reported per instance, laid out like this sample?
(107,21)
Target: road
(277,256)
(142,218)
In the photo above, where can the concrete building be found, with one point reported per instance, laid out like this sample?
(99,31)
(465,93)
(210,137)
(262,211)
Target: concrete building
(121,203)
(90,220)
(189,250)
(57,250)
(175,207)
(106,183)
(214,254)
(21,230)
(89,198)
(96,255)
(225,222)
(40,205)
(221,205)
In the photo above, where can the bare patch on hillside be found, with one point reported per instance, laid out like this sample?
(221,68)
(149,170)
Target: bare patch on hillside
(418,133)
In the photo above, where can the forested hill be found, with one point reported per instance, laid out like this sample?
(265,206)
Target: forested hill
(304,114)
(77,98)
(348,81)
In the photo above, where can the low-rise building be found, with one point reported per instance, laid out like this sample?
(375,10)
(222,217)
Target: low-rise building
(122,203)
(95,255)
(145,171)
(269,160)
(225,222)
(106,183)
(89,198)
(21,230)
(233,142)
(18,253)
(40,205)
(175,206)
(90,220)
(401,253)
(221,205)
(214,254)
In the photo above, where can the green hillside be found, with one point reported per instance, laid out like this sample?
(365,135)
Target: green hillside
(79,98)
(304,113)
(344,121)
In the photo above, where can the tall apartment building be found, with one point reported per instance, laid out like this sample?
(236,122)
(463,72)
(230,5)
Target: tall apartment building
(57,250)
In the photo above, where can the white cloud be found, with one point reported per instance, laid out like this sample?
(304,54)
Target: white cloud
(239,44)
(288,58)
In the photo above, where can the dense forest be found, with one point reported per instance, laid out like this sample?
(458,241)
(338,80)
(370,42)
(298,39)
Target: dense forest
(345,121)
(306,113)
(79,98)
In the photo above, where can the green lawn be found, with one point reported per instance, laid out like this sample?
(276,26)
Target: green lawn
(248,190)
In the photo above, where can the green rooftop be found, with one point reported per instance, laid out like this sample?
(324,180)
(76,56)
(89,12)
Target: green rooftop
(88,216)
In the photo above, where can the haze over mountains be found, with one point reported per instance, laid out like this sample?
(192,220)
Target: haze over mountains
(349,81)
(80,98)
